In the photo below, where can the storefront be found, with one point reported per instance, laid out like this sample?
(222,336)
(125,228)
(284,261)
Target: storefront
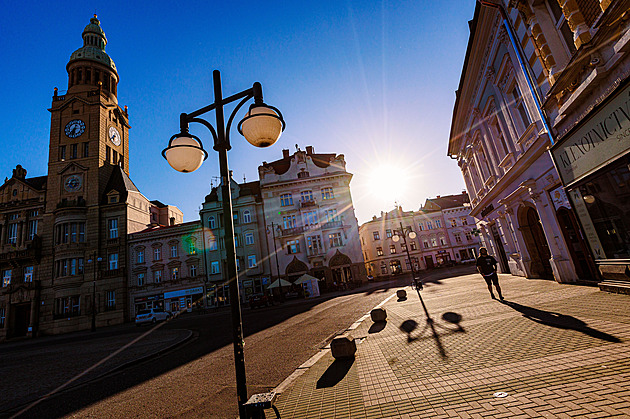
(183,300)
(148,302)
(593,161)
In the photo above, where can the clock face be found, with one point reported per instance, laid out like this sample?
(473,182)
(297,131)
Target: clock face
(75,128)
(73,183)
(114,136)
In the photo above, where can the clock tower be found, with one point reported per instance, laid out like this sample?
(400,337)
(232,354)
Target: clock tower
(88,193)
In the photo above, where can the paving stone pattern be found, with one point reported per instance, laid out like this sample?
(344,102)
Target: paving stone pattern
(557,351)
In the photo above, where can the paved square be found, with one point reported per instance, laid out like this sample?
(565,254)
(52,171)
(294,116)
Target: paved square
(550,350)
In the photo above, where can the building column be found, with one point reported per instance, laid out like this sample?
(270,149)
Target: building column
(561,263)
(576,22)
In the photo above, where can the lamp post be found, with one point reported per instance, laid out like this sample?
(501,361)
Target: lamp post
(404,232)
(94,260)
(275,252)
(261,127)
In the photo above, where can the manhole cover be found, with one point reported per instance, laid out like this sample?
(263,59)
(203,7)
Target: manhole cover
(500,394)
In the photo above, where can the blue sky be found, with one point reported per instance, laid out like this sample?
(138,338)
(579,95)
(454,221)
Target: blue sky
(374,81)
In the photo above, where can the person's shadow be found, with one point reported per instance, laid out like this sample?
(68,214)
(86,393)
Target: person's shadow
(561,321)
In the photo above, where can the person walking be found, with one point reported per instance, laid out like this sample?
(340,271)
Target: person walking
(487,267)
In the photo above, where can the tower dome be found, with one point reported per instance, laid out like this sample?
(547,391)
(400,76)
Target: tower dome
(93,48)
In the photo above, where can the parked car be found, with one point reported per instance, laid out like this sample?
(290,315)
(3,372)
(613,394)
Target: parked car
(259,300)
(152,315)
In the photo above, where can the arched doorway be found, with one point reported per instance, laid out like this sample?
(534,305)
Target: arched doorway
(536,243)
(341,266)
(296,269)
(584,266)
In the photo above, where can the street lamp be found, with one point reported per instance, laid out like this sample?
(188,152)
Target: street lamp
(404,232)
(262,127)
(275,251)
(92,260)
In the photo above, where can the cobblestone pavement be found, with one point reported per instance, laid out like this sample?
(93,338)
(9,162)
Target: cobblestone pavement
(548,350)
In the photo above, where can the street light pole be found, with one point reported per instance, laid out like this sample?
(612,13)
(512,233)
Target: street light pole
(412,234)
(275,251)
(262,127)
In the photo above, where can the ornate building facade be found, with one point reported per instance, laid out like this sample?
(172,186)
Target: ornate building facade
(63,251)
(500,135)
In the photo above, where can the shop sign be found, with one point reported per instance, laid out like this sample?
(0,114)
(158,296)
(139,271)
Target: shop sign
(189,291)
(587,224)
(604,136)
(559,198)
(147,298)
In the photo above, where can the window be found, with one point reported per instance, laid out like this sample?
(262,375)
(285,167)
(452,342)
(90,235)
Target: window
(453,223)
(212,244)
(289,221)
(442,241)
(174,251)
(363,240)
(2,317)
(238,264)
(302,174)
(468,236)
(412,245)
(429,225)
(293,246)
(286,200)
(74,151)
(174,274)
(111,300)
(62,153)
(433,242)
(192,246)
(140,256)
(70,233)
(214,267)
(384,269)
(235,216)
(376,235)
(310,218)
(314,244)
(28,274)
(420,227)
(12,236)
(388,233)
(157,276)
(140,278)
(235,240)
(113,261)
(425,243)
(249,238)
(306,196)
(518,105)
(458,238)
(68,306)
(112,226)
(438,223)
(211,222)
(193,271)
(86,149)
(247,216)
(335,239)
(403,247)
(562,26)
(6,277)
(464,221)
(65,267)
(157,253)
(251,261)
(331,215)
(32,229)
(379,251)
(392,249)
(327,193)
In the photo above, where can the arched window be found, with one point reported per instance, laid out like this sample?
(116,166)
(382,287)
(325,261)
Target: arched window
(247,216)
(211,222)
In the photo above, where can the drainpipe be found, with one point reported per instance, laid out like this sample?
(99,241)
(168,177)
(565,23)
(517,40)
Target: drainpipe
(520,55)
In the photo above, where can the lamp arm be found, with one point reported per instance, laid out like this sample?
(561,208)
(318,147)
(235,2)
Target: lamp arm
(207,125)
(233,114)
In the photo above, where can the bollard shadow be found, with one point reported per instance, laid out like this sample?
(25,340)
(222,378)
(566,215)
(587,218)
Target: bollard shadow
(335,373)
(377,327)
(560,321)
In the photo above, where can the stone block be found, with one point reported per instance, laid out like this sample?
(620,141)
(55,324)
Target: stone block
(343,346)
(378,315)
(401,294)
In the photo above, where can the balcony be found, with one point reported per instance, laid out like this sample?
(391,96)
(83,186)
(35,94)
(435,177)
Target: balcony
(71,203)
(332,224)
(311,203)
(291,231)
(312,253)
(32,251)
(111,273)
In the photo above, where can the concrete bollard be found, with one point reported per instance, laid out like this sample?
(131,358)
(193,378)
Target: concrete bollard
(343,346)
(401,294)
(378,315)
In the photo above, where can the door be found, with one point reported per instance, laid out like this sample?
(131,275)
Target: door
(584,266)
(21,319)
(428,260)
(536,243)
(505,267)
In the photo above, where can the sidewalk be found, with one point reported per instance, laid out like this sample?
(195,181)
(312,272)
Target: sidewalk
(550,350)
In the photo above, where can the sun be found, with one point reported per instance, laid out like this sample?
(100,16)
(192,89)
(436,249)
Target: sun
(387,183)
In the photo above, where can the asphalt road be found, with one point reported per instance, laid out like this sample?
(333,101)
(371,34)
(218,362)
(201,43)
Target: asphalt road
(196,379)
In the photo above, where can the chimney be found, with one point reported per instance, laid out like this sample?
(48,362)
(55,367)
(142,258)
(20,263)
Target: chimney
(285,153)
(438,197)
(374,218)
(309,149)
